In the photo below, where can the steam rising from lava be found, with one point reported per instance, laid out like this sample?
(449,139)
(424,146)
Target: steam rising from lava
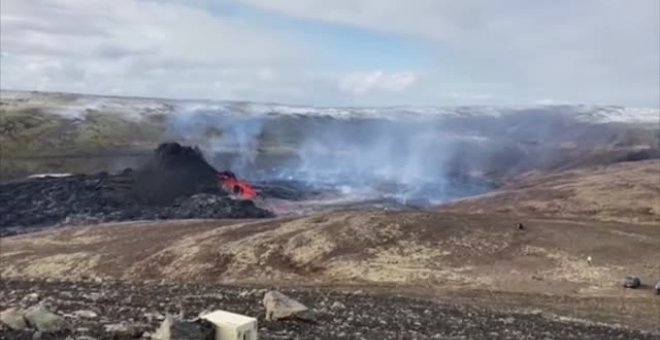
(220,134)
(394,159)
(403,154)
(361,158)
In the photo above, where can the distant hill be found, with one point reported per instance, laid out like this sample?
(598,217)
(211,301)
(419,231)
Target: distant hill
(625,192)
(59,132)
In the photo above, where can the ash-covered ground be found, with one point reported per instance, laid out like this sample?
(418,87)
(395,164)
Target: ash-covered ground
(110,310)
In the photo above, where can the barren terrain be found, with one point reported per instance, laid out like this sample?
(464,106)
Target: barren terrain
(337,314)
(623,192)
(479,256)
(545,254)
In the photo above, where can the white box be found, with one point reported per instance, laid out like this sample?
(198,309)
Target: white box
(232,326)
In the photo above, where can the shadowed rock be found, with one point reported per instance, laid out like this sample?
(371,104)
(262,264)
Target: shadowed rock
(177,329)
(44,320)
(279,306)
(632,282)
(124,330)
(13,318)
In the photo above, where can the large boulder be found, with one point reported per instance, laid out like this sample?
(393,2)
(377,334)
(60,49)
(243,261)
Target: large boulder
(44,320)
(657,288)
(13,318)
(177,329)
(632,282)
(279,306)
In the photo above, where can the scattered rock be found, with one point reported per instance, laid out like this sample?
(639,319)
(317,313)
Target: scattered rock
(521,226)
(632,282)
(13,318)
(154,316)
(93,296)
(177,329)
(123,330)
(337,305)
(44,320)
(279,306)
(508,320)
(48,302)
(85,314)
(30,299)
(369,316)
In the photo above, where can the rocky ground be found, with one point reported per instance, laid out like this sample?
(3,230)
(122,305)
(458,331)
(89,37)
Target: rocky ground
(176,182)
(112,310)
(463,271)
(554,265)
(88,199)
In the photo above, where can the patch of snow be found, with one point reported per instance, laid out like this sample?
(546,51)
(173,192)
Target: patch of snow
(617,114)
(54,175)
(77,106)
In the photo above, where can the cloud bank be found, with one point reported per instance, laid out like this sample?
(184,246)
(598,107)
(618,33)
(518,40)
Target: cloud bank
(475,51)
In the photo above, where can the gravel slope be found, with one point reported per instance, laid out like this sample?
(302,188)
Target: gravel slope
(339,315)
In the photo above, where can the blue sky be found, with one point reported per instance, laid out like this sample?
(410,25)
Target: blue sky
(340,52)
(341,47)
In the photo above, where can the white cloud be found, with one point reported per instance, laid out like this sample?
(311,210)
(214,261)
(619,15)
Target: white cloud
(136,47)
(362,83)
(586,50)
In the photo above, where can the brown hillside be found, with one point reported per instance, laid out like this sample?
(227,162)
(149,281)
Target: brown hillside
(624,192)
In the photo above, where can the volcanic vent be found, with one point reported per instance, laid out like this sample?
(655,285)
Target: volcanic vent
(176,182)
(174,171)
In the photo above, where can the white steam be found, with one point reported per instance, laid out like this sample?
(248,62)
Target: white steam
(376,158)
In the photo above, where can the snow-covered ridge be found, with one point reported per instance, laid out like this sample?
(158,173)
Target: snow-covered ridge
(76,106)
(618,114)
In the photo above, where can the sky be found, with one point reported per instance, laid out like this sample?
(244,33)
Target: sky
(338,52)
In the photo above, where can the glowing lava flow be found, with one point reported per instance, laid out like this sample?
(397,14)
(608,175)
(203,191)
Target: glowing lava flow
(240,188)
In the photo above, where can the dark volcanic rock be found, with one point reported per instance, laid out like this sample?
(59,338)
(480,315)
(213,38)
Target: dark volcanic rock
(176,183)
(291,190)
(363,316)
(176,329)
(174,171)
(632,282)
(210,206)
